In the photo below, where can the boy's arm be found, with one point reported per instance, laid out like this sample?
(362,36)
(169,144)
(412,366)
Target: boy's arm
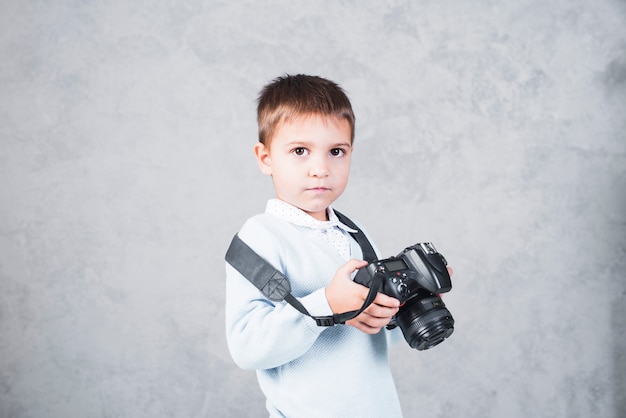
(262,334)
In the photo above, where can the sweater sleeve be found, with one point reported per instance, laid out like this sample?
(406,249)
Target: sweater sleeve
(262,334)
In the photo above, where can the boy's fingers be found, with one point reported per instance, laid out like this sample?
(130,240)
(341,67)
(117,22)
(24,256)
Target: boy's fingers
(380,311)
(385,300)
(358,263)
(353,265)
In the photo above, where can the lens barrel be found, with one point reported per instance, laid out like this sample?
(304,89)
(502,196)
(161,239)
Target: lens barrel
(425,321)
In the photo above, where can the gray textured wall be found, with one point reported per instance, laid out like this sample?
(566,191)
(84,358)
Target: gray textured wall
(495,130)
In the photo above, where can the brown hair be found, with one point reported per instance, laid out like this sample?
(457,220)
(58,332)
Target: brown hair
(292,96)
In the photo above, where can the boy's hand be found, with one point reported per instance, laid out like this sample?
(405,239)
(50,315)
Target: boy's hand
(344,295)
(377,315)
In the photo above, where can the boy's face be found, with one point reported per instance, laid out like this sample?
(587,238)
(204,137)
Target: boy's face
(309,161)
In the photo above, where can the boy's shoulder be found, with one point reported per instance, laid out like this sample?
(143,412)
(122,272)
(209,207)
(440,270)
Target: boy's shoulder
(268,235)
(263,220)
(265,227)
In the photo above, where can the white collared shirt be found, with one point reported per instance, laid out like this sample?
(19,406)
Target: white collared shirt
(326,232)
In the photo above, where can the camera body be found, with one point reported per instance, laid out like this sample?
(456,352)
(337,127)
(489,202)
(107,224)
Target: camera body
(415,277)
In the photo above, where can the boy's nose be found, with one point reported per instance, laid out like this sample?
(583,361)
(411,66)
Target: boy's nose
(319,168)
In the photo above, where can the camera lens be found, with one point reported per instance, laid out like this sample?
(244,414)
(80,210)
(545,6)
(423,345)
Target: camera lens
(425,321)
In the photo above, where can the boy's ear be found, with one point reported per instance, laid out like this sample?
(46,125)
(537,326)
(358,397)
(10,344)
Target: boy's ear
(263,158)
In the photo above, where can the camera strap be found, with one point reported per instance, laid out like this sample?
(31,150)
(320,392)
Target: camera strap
(276,287)
(369,254)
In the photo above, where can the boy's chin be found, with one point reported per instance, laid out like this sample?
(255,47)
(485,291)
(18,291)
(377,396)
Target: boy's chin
(318,212)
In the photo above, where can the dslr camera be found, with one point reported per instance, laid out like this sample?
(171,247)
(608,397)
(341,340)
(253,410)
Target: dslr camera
(415,277)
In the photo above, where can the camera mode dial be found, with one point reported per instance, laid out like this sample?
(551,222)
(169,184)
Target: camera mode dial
(400,283)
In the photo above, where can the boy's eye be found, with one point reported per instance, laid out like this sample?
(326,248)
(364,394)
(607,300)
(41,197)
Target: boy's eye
(299,151)
(337,152)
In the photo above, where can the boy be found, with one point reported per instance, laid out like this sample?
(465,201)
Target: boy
(306,130)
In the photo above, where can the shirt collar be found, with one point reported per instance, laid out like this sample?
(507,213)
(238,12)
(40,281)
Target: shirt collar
(297,216)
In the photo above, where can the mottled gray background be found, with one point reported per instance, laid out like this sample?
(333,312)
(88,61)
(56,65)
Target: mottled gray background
(494,129)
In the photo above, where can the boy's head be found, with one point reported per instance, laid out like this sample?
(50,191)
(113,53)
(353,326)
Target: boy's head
(294,96)
(306,130)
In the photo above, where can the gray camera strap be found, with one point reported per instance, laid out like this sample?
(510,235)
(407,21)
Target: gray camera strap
(276,287)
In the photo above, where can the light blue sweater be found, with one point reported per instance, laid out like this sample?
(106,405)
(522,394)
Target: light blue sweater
(305,370)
